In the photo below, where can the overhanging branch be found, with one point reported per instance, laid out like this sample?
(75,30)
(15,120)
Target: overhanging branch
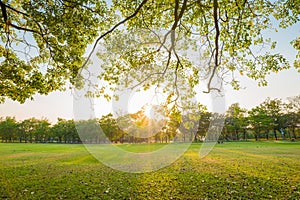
(216,50)
(111,30)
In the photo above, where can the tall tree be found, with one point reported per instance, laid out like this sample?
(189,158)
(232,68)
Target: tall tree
(204,121)
(89,131)
(274,109)
(42,130)
(259,121)
(110,128)
(293,115)
(234,119)
(28,129)
(64,131)
(8,129)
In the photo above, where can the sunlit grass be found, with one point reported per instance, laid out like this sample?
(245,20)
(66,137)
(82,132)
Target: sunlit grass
(233,170)
(141,148)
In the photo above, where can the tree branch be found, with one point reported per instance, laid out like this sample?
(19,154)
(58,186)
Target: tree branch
(24,29)
(216,56)
(13,9)
(112,29)
(4,13)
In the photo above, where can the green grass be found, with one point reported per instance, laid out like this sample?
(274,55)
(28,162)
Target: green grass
(233,170)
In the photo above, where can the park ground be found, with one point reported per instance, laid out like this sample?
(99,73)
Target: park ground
(232,170)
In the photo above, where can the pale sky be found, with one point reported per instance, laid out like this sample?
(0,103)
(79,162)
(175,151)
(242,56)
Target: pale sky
(281,85)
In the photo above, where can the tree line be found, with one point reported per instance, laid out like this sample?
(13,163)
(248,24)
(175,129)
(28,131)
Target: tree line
(273,119)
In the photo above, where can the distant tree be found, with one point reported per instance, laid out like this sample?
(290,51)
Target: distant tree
(89,131)
(274,108)
(64,131)
(204,121)
(196,122)
(42,130)
(259,122)
(245,124)
(124,123)
(138,125)
(173,123)
(293,115)
(28,129)
(235,119)
(8,129)
(110,128)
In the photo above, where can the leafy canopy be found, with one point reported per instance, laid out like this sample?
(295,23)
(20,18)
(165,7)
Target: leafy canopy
(42,43)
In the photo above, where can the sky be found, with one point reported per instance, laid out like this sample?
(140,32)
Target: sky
(282,85)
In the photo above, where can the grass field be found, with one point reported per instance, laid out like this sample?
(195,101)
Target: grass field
(233,170)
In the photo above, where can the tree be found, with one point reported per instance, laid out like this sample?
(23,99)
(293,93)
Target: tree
(42,130)
(28,129)
(293,115)
(245,124)
(110,128)
(204,121)
(89,131)
(139,126)
(64,131)
(8,129)
(42,43)
(235,119)
(259,121)
(274,110)
(175,117)
(53,35)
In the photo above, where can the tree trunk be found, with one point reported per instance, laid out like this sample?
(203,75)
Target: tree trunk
(195,137)
(275,134)
(244,131)
(289,134)
(294,134)
(267,134)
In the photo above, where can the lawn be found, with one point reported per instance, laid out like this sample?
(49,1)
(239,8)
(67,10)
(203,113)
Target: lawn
(233,170)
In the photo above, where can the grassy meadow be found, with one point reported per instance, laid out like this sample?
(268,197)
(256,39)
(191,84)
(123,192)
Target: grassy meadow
(233,170)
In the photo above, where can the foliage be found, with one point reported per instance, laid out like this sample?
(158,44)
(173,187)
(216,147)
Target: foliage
(42,44)
(64,130)
(235,119)
(110,128)
(259,121)
(153,47)
(8,128)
